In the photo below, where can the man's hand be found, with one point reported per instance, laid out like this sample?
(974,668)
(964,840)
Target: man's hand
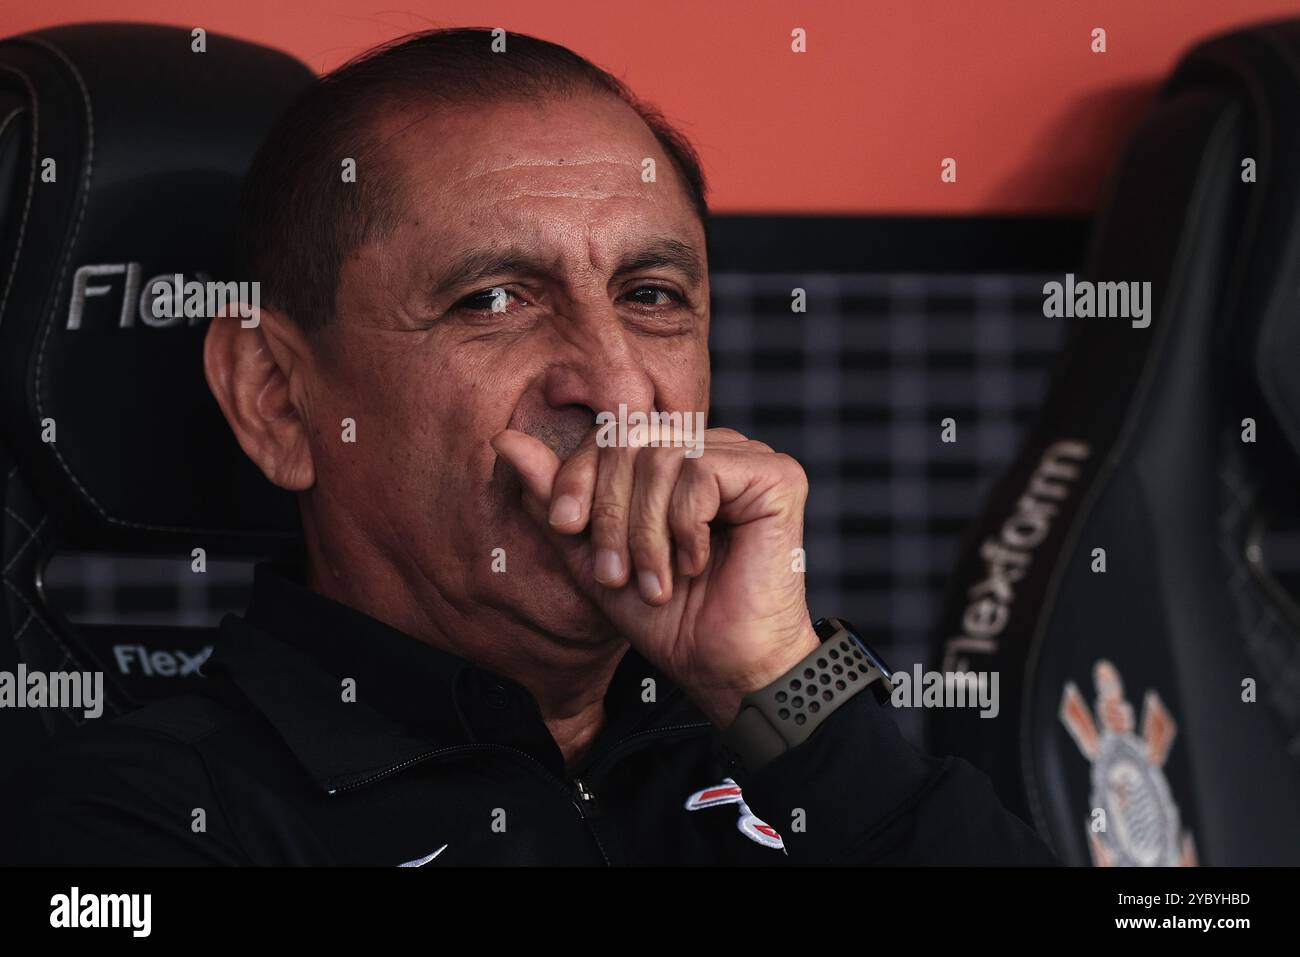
(692,559)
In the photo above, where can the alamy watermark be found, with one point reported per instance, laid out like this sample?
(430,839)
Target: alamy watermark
(68,690)
(640,430)
(74,909)
(946,689)
(1085,299)
(197,299)
(162,302)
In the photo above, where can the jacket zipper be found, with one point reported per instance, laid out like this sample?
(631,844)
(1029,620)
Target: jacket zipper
(464,748)
(585,802)
(585,798)
(580,796)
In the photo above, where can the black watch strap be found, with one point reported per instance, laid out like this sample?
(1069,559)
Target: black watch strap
(774,719)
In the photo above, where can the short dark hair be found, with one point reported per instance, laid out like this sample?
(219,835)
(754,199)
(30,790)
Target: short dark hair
(296,225)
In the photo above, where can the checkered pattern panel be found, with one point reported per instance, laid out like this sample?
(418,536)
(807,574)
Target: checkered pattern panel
(856,388)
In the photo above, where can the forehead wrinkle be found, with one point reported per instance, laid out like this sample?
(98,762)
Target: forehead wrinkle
(594,191)
(486,166)
(549,179)
(598,180)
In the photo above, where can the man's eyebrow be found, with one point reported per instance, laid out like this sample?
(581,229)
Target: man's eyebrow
(477,265)
(663,252)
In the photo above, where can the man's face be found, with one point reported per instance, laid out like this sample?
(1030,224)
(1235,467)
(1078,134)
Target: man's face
(535,279)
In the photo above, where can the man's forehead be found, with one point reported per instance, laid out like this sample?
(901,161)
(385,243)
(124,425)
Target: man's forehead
(553,141)
(550,177)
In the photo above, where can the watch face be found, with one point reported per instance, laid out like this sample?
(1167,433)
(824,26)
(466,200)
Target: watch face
(828,627)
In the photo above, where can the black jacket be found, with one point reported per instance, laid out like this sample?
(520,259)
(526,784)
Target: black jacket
(438,762)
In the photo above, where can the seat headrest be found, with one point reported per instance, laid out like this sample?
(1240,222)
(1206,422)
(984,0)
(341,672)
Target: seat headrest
(1262,66)
(122,149)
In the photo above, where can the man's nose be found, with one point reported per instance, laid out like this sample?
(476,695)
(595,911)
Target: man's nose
(601,374)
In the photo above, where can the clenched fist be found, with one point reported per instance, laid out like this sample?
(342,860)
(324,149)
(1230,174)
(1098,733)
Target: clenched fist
(691,558)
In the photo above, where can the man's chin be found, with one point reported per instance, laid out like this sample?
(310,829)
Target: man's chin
(538,590)
(537,587)
(550,604)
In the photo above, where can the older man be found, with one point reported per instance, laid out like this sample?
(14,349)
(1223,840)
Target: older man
(512,637)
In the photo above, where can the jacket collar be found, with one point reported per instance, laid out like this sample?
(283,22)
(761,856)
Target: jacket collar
(354,698)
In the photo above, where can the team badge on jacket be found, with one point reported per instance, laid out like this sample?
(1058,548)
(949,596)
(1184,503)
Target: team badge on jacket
(1141,821)
(728,792)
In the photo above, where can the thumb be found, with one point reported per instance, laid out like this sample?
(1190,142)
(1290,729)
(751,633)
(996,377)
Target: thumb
(537,467)
(534,462)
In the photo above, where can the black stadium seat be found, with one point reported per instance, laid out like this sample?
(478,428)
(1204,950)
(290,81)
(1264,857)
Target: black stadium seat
(121,155)
(1150,712)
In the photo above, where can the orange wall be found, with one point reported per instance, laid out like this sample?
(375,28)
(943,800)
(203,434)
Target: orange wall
(857,124)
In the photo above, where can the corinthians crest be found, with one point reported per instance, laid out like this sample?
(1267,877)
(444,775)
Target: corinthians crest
(1142,826)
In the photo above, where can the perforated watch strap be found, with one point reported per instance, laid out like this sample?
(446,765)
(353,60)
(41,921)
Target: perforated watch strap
(785,713)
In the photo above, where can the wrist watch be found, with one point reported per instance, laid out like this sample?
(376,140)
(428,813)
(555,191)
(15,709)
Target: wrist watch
(774,719)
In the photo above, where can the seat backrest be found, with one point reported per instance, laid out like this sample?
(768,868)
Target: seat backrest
(1148,663)
(122,148)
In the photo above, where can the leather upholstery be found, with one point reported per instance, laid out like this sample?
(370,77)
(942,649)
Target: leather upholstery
(120,148)
(1139,451)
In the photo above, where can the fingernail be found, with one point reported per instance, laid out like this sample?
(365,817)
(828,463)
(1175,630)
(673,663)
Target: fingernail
(609,565)
(564,510)
(649,585)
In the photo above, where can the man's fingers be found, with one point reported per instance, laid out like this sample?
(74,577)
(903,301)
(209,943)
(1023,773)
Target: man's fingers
(609,512)
(648,539)
(532,459)
(574,486)
(648,509)
(693,505)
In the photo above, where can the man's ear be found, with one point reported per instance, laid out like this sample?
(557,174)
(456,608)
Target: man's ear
(257,377)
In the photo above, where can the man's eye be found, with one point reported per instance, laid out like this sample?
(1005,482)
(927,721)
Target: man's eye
(654,296)
(496,299)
